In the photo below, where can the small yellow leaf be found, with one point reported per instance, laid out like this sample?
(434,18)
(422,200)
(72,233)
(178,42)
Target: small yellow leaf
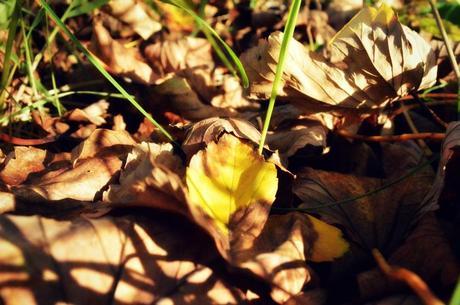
(330,244)
(228,176)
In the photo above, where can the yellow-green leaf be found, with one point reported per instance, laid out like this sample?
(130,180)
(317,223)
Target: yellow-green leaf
(228,176)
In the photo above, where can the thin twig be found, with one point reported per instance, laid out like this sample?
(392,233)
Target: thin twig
(433,114)
(426,150)
(450,52)
(411,279)
(394,138)
(447,96)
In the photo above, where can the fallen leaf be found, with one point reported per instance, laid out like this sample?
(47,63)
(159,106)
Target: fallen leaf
(185,100)
(122,260)
(208,130)
(7,202)
(135,14)
(82,182)
(100,140)
(372,77)
(93,113)
(239,190)
(118,59)
(151,178)
(175,55)
(20,163)
(287,142)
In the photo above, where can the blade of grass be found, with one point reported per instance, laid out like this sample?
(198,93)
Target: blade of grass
(28,62)
(455,300)
(450,52)
(205,26)
(8,51)
(288,33)
(101,69)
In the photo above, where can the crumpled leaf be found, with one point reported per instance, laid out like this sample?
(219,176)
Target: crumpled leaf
(234,178)
(101,139)
(118,59)
(288,142)
(93,113)
(208,130)
(135,14)
(122,260)
(20,163)
(175,55)
(23,162)
(185,100)
(151,178)
(231,189)
(380,61)
(426,251)
(82,182)
(383,218)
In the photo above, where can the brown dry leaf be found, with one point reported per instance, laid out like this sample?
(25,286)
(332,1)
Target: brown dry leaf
(93,113)
(125,260)
(7,202)
(21,162)
(400,299)
(185,100)
(379,220)
(288,141)
(175,55)
(231,189)
(135,14)
(151,178)
(426,251)
(373,76)
(102,140)
(118,59)
(208,130)
(82,182)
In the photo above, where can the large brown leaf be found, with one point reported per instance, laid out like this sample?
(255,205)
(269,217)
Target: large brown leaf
(129,260)
(380,60)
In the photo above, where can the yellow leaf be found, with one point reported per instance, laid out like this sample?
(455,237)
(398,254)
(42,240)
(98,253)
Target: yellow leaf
(228,176)
(329,244)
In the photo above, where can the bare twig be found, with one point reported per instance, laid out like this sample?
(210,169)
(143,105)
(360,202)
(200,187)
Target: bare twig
(433,114)
(410,278)
(394,138)
(450,52)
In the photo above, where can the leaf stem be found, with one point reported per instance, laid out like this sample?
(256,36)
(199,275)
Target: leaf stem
(450,52)
(288,33)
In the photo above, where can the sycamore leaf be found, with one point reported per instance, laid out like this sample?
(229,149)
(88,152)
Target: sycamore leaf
(377,61)
(229,176)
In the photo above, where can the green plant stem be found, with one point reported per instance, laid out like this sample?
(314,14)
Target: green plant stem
(98,66)
(8,51)
(364,195)
(450,52)
(288,33)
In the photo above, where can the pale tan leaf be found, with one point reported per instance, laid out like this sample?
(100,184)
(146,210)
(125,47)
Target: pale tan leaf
(20,163)
(150,178)
(83,182)
(175,55)
(369,77)
(135,14)
(100,140)
(130,260)
(210,129)
(119,59)
(93,113)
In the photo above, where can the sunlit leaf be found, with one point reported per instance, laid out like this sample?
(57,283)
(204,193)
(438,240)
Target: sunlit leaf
(228,176)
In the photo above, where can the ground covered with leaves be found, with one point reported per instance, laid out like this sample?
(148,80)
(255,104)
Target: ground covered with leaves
(130,171)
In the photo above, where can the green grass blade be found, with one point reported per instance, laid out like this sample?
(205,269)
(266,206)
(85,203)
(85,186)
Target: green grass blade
(455,300)
(13,26)
(86,8)
(101,69)
(28,52)
(288,33)
(205,26)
